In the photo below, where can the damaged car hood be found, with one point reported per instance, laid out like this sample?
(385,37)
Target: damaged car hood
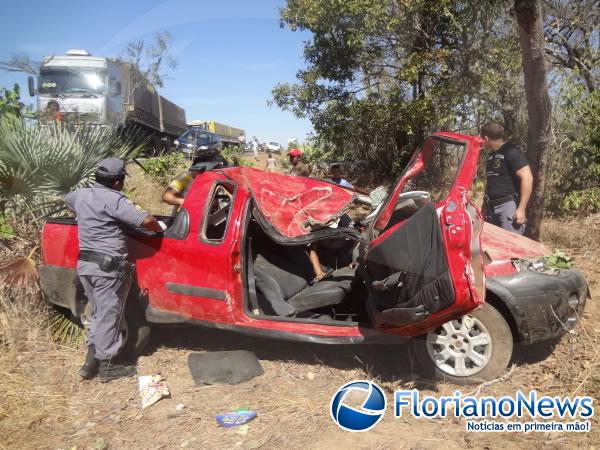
(503,245)
(293,205)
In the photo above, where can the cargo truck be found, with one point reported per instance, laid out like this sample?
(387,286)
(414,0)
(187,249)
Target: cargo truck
(92,89)
(228,135)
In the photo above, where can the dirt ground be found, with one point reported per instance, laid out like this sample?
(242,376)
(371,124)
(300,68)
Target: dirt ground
(44,405)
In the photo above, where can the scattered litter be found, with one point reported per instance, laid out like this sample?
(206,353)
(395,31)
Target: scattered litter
(230,367)
(179,411)
(243,429)
(235,418)
(100,444)
(187,442)
(152,389)
(310,376)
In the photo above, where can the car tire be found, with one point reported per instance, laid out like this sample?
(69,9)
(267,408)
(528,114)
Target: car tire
(473,349)
(534,353)
(135,330)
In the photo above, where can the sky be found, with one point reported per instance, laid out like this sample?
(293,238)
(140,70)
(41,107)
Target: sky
(230,53)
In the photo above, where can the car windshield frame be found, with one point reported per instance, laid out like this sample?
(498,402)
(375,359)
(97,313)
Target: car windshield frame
(417,164)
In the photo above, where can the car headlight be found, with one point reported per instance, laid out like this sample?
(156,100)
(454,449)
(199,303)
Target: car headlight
(533,265)
(203,147)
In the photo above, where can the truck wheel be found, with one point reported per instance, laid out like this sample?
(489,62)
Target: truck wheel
(475,348)
(134,329)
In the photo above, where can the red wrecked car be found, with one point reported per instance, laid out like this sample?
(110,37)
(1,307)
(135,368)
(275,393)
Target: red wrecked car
(235,258)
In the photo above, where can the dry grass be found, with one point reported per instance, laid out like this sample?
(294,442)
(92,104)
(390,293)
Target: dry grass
(44,405)
(27,355)
(144,190)
(575,234)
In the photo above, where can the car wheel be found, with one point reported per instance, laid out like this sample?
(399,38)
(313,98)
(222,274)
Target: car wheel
(135,330)
(475,348)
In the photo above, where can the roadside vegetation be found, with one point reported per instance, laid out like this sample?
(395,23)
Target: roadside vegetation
(387,75)
(390,73)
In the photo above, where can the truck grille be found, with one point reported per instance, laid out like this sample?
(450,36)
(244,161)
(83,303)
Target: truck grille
(82,117)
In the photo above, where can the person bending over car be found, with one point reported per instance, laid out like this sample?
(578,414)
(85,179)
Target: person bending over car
(102,266)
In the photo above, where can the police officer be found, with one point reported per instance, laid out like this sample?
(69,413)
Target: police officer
(103,269)
(509,181)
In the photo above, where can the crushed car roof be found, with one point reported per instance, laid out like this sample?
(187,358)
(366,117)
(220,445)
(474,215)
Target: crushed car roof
(294,205)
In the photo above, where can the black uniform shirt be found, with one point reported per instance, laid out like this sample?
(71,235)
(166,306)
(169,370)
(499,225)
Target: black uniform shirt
(500,171)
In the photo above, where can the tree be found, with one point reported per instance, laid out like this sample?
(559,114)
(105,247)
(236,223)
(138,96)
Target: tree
(21,62)
(571,31)
(531,32)
(381,75)
(151,61)
(10,102)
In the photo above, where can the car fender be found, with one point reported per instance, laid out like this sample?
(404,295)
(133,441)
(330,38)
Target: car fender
(542,306)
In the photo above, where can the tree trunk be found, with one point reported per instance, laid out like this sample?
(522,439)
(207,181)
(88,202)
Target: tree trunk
(530,19)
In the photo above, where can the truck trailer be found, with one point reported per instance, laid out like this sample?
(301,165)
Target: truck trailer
(83,88)
(229,135)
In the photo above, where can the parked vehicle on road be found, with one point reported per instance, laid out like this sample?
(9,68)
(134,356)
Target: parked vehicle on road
(234,258)
(101,91)
(274,147)
(227,134)
(196,142)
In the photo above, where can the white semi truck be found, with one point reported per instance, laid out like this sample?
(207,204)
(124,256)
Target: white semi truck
(79,87)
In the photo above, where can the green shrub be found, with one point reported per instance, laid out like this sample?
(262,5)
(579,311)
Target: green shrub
(40,164)
(559,260)
(574,177)
(165,168)
(6,231)
(233,155)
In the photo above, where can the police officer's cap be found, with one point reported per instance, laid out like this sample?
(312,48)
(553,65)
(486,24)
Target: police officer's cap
(111,167)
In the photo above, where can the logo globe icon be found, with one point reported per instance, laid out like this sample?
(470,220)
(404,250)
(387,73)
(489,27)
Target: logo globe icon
(358,419)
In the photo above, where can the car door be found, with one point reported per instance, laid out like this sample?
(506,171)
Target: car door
(185,276)
(425,240)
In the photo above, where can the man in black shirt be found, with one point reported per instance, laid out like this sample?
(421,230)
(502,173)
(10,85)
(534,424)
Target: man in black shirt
(509,181)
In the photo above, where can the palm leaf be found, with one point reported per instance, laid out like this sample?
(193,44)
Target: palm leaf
(40,164)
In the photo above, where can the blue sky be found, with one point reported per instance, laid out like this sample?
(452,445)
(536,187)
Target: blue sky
(230,53)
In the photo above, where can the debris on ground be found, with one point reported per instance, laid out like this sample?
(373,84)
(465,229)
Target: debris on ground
(242,430)
(230,367)
(235,418)
(152,389)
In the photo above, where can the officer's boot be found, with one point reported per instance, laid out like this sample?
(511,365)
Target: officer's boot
(90,366)
(111,370)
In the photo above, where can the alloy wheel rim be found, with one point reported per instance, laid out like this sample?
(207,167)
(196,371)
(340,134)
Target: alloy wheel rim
(460,347)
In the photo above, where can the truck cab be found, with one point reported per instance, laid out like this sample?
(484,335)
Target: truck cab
(85,88)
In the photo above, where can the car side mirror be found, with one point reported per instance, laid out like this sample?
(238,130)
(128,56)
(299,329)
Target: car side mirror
(31,85)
